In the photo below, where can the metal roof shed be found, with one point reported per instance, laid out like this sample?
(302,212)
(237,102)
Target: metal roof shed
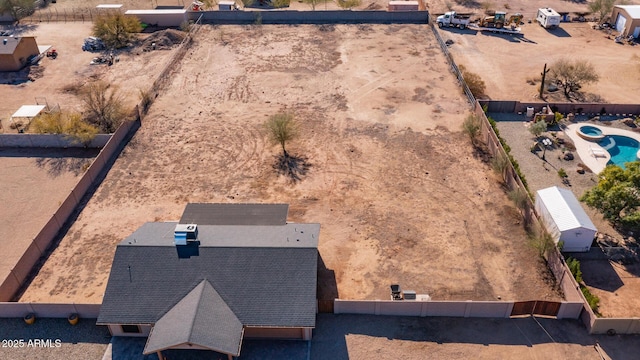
(28,112)
(565,219)
(160,17)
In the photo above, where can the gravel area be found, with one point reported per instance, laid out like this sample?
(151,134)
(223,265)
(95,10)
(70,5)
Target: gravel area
(540,173)
(52,339)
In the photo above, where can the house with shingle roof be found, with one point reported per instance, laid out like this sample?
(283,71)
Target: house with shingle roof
(240,272)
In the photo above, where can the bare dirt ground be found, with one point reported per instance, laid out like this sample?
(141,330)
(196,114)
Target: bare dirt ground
(34,181)
(505,63)
(71,70)
(34,184)
(394,183)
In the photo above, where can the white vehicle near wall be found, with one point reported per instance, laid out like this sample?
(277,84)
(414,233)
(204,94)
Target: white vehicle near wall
(452,19)
(548,18)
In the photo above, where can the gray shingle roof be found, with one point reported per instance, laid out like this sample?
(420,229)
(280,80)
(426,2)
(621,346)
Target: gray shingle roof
(201,318)
(235,214)
(263,286)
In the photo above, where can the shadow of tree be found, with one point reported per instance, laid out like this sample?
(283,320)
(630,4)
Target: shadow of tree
(292,166)
(57,166)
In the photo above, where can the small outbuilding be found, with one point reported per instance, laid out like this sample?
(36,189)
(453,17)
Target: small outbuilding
(565,219)
(15,52)
(160,17)
(626,20)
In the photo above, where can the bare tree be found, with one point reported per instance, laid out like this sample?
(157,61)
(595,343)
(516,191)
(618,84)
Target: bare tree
(103,106)
(571,75)
(313,3)
(17,8)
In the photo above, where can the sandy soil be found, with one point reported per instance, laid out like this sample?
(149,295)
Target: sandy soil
(500,61)
(71,69)
(394,183)
(34,184)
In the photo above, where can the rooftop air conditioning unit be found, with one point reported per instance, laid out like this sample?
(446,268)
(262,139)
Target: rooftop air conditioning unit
(184,233)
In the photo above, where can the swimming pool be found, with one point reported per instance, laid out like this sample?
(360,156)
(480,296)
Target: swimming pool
(622,149)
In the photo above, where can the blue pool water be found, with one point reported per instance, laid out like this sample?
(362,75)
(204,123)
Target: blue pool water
(621,148)
(590,130)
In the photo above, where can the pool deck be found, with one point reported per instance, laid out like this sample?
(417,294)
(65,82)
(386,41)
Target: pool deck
(592,154)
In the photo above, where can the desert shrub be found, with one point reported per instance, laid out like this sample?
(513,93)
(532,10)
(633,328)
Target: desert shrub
(474,82)
(471,126)
(574,267)
(519,198)
(507,149)
(499,164)
(104,107)
(348,4)
(592,300)
(562,173)
(280,3)
(540,240)
(70,124)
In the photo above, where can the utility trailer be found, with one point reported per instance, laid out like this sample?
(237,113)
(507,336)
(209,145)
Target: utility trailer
(507,30)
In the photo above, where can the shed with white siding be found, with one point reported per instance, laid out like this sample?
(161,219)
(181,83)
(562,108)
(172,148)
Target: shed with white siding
(565,219)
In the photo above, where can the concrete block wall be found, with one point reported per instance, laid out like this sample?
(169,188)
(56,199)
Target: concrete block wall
(312,17)
(48,310)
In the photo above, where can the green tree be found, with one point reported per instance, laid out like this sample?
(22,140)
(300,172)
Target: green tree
(617,194)
(537,128)
(104,106)
(603,8)
(571,75)
(282,127)
(17,8)
(116,30)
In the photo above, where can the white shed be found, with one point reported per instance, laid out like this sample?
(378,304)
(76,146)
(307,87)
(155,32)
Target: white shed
(565,219)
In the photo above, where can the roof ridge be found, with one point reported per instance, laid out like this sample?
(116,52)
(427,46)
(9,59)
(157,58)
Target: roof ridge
(195,316)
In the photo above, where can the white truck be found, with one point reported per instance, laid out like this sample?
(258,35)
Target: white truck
(451,19)
(548,18)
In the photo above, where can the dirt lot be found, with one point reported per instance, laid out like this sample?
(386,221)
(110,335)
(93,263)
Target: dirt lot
(505,63)
(53,78)
(34,184)
(394,183)
(37,181)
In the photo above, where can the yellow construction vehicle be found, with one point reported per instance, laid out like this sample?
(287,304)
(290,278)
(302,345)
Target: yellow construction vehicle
(500,20)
